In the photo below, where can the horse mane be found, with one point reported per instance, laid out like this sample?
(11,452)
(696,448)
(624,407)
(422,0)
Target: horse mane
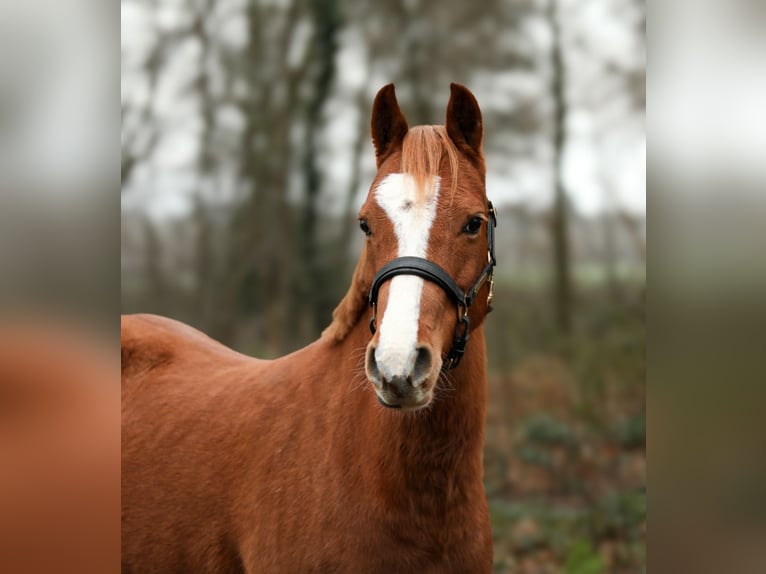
(353,304)
(422,151)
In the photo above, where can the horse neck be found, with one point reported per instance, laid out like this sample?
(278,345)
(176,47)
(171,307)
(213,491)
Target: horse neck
(437,451)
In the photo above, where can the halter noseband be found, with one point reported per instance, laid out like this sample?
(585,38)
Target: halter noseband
(432,272)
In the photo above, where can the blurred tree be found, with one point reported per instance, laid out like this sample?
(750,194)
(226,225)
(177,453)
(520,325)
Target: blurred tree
(206,274)
(140,128)
(261,246)
(312,293)
(559,221)
(255,80)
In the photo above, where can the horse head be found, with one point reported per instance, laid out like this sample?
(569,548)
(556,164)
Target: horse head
(429,251)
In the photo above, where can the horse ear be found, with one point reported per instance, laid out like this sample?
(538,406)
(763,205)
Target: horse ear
(389,125)
(464,125)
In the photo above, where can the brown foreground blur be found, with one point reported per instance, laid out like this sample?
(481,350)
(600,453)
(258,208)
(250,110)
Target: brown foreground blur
(59,451)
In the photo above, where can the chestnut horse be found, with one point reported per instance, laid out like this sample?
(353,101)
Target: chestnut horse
(359,453)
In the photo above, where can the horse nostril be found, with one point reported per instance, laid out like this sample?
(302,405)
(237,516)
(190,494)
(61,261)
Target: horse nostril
(423,365)
(373,373)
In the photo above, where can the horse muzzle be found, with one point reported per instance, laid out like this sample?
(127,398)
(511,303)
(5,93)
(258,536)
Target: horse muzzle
(401,379)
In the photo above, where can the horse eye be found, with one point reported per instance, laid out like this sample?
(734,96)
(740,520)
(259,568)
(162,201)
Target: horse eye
(364,227)
(473,226)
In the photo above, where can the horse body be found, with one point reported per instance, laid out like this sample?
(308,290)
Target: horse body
(233,464)
(239,465)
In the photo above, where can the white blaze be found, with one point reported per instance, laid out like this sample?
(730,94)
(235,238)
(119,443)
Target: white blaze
(412,214)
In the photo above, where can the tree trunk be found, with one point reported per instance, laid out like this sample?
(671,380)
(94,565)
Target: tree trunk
(559,219)
(312,288)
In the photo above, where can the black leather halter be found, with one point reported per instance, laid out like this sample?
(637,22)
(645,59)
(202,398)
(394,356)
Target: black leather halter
(432,272)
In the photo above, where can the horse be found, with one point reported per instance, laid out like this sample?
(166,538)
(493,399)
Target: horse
(362,452)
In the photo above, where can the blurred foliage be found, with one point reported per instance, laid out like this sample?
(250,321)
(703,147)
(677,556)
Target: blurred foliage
(565,459)
(546,430)
(582,559)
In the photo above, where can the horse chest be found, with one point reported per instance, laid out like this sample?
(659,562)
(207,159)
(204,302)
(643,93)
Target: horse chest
(453,542)
(350,538)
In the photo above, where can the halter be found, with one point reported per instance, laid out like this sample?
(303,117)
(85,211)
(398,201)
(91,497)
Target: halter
(432,272)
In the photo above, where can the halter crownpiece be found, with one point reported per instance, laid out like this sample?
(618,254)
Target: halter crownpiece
(430,271)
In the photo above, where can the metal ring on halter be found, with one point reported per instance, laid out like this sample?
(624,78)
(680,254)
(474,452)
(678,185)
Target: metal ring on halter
(430,271)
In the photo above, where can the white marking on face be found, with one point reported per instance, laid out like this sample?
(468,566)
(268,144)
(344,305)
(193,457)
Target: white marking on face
(412,215)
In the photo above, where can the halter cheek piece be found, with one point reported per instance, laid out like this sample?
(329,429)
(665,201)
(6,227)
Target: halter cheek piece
(432,272)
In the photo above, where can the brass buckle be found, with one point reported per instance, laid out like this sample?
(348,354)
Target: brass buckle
(491,279)
(491,291)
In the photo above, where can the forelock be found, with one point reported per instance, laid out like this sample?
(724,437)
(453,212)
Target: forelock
(422,151)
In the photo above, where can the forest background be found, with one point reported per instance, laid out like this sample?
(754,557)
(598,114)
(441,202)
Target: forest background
(246,155)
